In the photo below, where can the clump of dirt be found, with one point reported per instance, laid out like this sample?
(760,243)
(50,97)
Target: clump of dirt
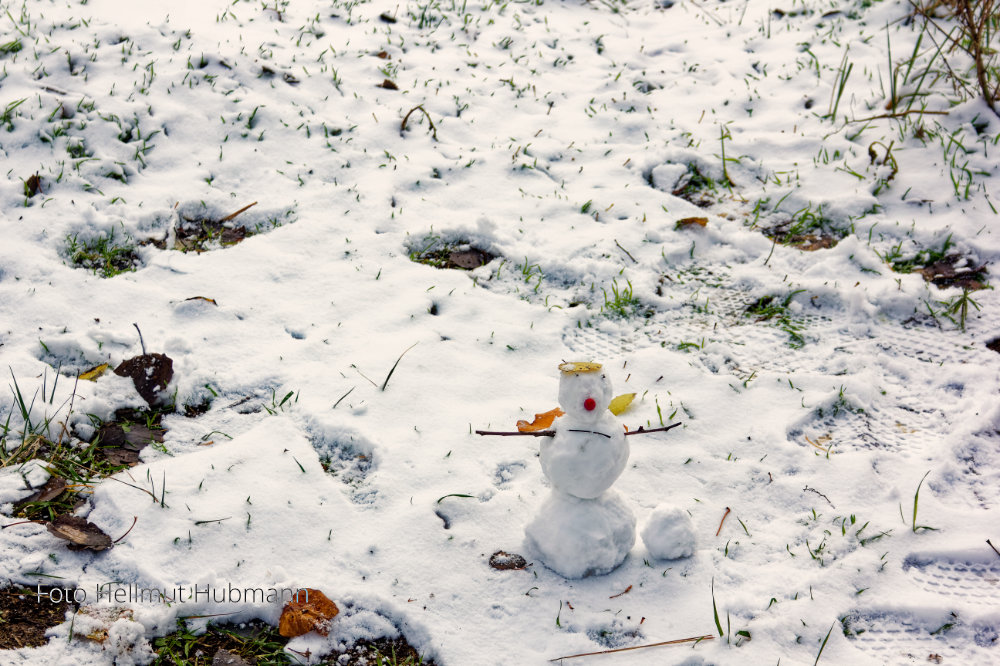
(26,614)
(200,235)
(380,651)
(458,254)
(942,266)
(121,440)
(955,271)
(808,229)
(504,561)
(195,233)
(804,242)
(256,642)
(695,187)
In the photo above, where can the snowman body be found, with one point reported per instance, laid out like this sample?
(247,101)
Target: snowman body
(583,528)
(584,459)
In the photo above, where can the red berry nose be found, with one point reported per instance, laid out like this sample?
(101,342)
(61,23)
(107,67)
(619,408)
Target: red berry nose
(590,404)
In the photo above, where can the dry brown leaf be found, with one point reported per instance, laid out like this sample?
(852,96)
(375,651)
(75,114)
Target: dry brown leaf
(150,373)
(542,421)
(52,489)
(311,610)
(80,533)
(691,222)
(202,298)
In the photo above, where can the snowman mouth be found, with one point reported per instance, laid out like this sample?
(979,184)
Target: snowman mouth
(592,432)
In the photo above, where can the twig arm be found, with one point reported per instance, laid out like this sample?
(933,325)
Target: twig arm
(504,433)
(643,431)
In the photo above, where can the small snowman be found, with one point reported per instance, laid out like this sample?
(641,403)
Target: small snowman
(584,527)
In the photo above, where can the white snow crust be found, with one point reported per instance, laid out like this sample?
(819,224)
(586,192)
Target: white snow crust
(640,179)
(669,533)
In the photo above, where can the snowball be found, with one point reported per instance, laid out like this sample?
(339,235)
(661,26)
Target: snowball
(584,464)
(669,534)
(576,388)
(582,537)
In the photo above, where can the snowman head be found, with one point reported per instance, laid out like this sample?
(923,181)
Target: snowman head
(584,391)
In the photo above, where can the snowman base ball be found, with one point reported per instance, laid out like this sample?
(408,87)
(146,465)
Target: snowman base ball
(582,537)
(669,533)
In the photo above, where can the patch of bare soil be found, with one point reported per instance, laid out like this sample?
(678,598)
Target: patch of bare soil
(25,616)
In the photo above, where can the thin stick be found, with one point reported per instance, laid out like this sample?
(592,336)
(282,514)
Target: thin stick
(552,433)
(719,531)
(899,114)
(23,522)
(626,252)
(643,431)
(693,639)
(402,126)
(135,519)
(229,217)
(537,433)
(141,343)
(993,547)
(625,591)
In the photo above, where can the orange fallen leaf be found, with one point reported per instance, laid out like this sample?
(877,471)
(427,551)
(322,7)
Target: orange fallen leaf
(310,610)
(541,422)
(690,222)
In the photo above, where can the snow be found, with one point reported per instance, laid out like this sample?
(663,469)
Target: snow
(578,537)
(669,533)
(815,388)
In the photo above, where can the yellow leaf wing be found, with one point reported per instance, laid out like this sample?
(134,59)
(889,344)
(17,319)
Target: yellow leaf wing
(621,403)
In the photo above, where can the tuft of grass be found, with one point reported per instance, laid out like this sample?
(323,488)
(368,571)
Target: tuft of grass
(255,642)
(106,255)
(697,188)
(769,308)
(916,500)
(622,302)
(715,610)
(823,645)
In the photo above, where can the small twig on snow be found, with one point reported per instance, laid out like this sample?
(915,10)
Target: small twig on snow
(231,216)
(813,490)
(719,531)
(629,254)
(135,519)
(402,126)
(693,639)
(993,547)
(141,343)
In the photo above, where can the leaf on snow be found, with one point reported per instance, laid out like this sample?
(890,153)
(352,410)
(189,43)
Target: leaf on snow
(52,489)
(150,373)
(95,372)
(121,446)
(621,403)
(80,533)
(310,610)
(541,422)
(691,222)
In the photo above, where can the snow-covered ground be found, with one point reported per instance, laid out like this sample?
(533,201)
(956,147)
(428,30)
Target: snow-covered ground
(818,390)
